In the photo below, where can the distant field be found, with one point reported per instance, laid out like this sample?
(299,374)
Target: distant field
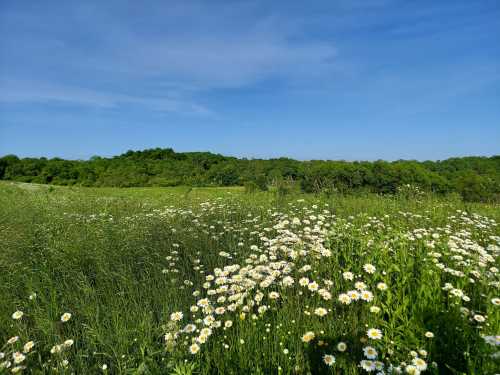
(219,281)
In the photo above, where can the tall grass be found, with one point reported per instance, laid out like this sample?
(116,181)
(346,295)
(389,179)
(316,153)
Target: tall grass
(121,261)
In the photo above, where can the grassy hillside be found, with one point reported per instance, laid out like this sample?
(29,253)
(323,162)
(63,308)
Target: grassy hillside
(219,281)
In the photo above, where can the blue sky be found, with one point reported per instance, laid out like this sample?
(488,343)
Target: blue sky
(336,79)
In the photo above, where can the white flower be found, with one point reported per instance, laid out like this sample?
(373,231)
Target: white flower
(374,333)
(479,318)
(348,276)
(382,286)
(344,299)
(374,309)
(359,285)
(412,370)
(367,365)
(341,346)
(353,295)
(18,357)
(28,346)
(189,328)
(313,286)
(56,349)
(203,302)
(220,310)
(274,295)
(366,295)
(329,359)
(369,268)
(320,311)
(304,281)
(194,348)
(287,281)
(17,315)
(370,352)
(176,316)
(65,317)
(308,336)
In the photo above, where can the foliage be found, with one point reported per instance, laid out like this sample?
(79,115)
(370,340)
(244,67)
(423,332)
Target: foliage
(475,178)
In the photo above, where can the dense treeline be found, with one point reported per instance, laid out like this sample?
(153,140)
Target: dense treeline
(475,178)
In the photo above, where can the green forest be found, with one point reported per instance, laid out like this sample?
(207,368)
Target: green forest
(474,178)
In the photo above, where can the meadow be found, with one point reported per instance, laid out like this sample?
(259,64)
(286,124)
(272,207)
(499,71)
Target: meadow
(221,281)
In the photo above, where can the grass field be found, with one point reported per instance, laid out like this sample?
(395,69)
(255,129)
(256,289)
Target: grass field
(219,281)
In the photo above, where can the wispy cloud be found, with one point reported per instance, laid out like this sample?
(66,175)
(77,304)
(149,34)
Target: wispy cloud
(185,49)
(39,92)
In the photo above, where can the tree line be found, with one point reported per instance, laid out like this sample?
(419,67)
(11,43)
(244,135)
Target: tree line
(474,178)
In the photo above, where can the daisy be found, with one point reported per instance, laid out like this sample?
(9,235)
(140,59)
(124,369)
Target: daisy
(313,286)
(412,370)
(367,365)
(176,316)
(359,285)
(375,309)
(206,331)
(68,343)
(382,286)
(320,311)
(274,295)
(420,364)
(208,320)
(344,299)
(18,357)
(329,359)
(65,317)
(341,346)
(422,353)
(308,336)
(28,346)
(220,310)
(203,302)
(304,281)
(201,339)
(353,295)
(56,349)
(189,328)
(369,268)
(17,315)
(374,333)
(370,352)
(348,276)
(366,295)
(12,340)
(479,318)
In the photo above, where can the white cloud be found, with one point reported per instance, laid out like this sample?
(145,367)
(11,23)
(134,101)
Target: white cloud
(41,92)
(168,53)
